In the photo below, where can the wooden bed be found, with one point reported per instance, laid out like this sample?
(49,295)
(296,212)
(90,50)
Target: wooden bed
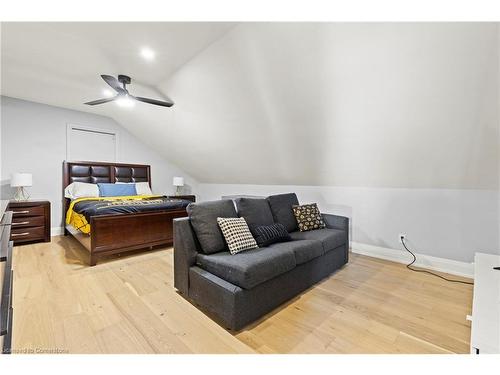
(119,233)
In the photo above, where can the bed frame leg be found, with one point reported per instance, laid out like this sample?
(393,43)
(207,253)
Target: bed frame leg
(92,260)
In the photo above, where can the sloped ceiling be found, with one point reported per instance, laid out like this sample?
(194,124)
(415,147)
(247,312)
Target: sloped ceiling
(60,64)
(393,105)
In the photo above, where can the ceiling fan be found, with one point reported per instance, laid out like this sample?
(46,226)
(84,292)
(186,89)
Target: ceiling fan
(123,96)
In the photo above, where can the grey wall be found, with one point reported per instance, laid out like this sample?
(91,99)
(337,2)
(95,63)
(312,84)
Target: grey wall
(395,125)
(34,141)
(444,223)
(393,105)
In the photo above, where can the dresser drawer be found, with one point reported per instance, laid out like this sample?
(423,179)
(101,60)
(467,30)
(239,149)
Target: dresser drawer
(27,211)
(28,221)
(27,234)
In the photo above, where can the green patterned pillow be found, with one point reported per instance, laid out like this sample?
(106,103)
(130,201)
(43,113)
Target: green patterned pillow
(308,217)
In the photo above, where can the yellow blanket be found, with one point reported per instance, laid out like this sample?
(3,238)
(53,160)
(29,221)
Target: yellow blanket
(79,222)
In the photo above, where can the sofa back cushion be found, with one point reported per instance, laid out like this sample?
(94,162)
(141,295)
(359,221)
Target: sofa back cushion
(281,207)
(255,211)
(203,218)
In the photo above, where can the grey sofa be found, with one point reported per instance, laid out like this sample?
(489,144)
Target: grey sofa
(237,289)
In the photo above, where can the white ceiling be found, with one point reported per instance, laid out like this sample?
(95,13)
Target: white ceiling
(397,105)
(61,63)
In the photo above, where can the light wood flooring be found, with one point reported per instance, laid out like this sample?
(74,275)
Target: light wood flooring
(128,305)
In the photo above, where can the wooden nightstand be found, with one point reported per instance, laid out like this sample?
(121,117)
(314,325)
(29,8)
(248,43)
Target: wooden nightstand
(191,198)
(30,221)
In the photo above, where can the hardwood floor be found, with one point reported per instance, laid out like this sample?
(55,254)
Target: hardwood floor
(128,305)
(370,306)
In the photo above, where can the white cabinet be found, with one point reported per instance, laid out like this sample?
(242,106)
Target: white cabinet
(485,334)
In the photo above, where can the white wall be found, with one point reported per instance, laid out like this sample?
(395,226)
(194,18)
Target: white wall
(498,122)
(444,223)
(407,105)
(395,125)
(34,141)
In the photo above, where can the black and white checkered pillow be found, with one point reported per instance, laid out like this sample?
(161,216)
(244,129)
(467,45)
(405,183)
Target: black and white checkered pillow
(236,234)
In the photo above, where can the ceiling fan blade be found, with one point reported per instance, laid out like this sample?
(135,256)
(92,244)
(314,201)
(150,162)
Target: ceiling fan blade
(101,101)
(113,82)
(154,101)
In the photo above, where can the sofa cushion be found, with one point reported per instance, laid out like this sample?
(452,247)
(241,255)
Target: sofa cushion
(281,207)
(249,268)
(256,211)
(330,238)
(304,250)
(203,218)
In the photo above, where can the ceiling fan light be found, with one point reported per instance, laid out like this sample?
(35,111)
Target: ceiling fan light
(122,96)
(107,93)
(125,102)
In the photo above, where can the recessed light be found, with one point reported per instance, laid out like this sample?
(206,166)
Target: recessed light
(147,53)
(107,93)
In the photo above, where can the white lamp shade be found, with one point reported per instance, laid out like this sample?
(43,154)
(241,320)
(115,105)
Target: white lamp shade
(21,179)
(178,181)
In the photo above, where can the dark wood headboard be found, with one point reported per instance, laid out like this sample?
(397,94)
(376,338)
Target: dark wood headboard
(95,172)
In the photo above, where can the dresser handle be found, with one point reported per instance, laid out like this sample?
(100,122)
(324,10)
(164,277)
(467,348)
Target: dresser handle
(20,212)
(21,223)
(20,234)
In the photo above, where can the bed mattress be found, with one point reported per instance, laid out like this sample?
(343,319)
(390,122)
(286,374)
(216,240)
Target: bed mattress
(82,210)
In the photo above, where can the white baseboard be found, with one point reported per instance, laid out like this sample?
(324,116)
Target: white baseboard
(453,267)
(56,231)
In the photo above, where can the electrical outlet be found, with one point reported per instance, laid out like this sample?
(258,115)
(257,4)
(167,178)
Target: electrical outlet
(402,236)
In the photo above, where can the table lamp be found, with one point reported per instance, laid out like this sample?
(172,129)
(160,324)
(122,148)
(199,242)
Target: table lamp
(178,183)
(20,181)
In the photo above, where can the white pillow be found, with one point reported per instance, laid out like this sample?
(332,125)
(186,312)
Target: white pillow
(141,188)
(81,190)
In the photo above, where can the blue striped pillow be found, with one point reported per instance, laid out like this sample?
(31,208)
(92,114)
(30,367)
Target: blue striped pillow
(266,235)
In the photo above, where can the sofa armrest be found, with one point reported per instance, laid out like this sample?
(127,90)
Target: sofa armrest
(336,222)
(341,223)
(185,251)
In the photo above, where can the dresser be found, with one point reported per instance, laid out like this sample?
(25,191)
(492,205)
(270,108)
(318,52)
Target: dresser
(30,221)
(6,279)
